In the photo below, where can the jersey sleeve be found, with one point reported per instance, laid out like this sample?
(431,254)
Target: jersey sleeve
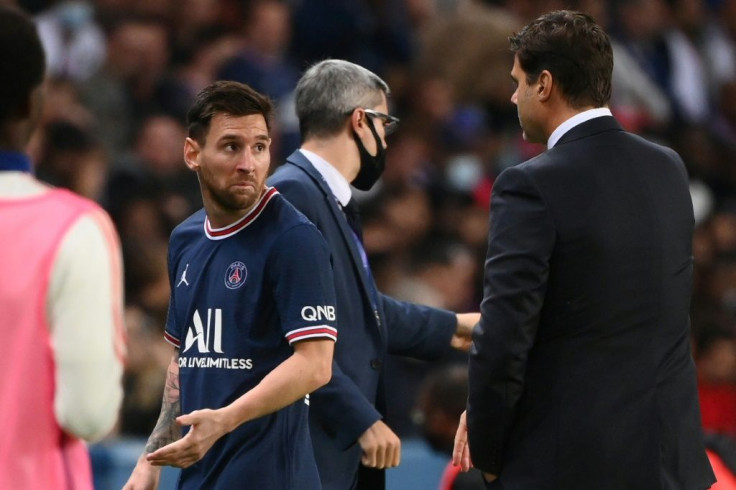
(172,329)
(300,270)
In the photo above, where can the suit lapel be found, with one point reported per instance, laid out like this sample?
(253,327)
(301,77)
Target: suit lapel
(299,160)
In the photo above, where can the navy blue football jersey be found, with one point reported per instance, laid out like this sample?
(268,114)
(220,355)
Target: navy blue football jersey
(240,296)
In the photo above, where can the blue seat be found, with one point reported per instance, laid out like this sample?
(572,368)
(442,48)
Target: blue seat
(420,469)
(114,460)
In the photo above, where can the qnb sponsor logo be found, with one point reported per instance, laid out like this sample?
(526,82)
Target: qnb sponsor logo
(317,313)
(205,336)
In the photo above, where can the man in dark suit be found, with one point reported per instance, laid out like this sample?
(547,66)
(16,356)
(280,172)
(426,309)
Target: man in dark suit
(343,117)
(580,372)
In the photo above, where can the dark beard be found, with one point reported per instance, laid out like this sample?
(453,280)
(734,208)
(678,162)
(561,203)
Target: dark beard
(229,201)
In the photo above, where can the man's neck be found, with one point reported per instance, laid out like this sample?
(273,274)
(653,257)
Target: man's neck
(13,137)
(219,217)
(339,152)
(561,114)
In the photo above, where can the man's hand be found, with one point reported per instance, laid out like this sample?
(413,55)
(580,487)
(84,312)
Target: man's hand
(462,338)
(144,476)
(207,426)
(461,450)
(381,447)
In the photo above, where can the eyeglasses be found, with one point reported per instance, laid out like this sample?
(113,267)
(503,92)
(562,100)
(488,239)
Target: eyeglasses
(390,123)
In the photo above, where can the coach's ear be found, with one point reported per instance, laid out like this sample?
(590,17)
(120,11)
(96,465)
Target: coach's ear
(191,154)
(545,84)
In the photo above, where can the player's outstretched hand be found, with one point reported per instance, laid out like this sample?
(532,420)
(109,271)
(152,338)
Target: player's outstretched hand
(381,447)
(144,476)
(207,426)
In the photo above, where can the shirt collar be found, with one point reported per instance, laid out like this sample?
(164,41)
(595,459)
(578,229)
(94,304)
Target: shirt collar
(11,160)
(574,121)
(337,183)
(250,217)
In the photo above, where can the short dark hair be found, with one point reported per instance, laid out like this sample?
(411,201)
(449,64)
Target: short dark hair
(225,97)
(22,60)
(574,49)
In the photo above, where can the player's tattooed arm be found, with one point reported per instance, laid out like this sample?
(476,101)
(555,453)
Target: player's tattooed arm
(145,475)
(167,430)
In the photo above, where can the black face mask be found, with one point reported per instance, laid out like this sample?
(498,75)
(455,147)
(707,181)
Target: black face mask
(371,167)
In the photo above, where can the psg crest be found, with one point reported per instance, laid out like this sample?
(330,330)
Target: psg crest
(235,275)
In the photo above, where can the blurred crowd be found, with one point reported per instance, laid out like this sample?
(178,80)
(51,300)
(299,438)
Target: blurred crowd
(123,72)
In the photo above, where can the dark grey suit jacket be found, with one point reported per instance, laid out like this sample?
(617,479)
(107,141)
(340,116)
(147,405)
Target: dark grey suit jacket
(581,375)
(352,401)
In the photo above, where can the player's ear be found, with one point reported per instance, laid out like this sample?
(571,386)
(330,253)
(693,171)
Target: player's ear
(191,154)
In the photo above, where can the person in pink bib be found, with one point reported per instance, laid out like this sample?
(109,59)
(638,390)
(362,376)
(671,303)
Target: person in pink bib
(61,324)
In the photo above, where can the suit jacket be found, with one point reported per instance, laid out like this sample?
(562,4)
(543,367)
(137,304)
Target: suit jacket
(581,375)
(352,401)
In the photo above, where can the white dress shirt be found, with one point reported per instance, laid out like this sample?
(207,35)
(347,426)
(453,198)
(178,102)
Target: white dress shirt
(338,184)
(574,121)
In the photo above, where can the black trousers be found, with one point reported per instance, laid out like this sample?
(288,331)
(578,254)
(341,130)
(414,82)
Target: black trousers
(371,479)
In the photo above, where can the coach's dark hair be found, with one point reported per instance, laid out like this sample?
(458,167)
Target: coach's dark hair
(22,61)
(574,49)
(225,97)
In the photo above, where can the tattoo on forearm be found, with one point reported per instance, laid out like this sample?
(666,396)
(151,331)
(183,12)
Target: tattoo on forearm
(167,430)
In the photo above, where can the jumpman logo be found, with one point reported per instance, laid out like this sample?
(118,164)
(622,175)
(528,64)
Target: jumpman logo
(184,277)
